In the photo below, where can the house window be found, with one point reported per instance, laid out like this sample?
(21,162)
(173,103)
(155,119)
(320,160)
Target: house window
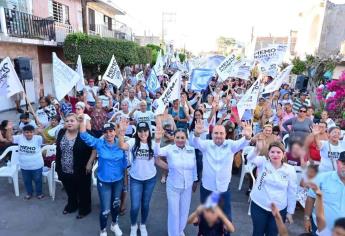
(60,13)
(108,22)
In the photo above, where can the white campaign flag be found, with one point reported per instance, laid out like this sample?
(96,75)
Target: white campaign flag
(65,78)
(81,83)
(140,76)
(113,73)
(225,68)
(242,69)
(159,64)
(9,81)
(277,82)
(270,58)
(171,93)
(250,98)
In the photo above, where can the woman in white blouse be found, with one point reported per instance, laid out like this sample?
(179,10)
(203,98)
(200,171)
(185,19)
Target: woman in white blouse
(276,183)
(181,164)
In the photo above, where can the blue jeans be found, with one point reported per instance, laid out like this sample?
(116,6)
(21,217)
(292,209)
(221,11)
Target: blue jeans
(110,198)
(224,201)
(263,221)
(141,193)
(32,175)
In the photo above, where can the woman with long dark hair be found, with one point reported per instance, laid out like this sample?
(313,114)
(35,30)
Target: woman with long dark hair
(72,155)
(142,173)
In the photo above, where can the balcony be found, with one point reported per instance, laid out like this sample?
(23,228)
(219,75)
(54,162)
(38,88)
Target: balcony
(22,25)
(119,31)
(61,31)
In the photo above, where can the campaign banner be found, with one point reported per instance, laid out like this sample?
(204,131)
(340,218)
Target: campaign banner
(159,66)
(249,99)
(242,69)
(140,76)
(270,58)
(64,77)
(277,82)
(113,73)
(171,93)
(9,81)
(81,83)
(226,68)
(200,79)
(152,82)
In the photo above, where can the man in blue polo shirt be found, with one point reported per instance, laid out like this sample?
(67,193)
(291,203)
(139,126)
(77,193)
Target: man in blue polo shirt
(332,185)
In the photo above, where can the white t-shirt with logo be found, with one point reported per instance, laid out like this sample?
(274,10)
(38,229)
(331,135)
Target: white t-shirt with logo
(143,167)
(30,157)
(329,153)
(146,116)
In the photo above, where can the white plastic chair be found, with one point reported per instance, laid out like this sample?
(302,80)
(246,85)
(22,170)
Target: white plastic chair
(49,150)
(12,168)
(246,168)
(54,178)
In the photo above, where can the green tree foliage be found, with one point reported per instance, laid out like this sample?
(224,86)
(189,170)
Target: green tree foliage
(155,50)
(299,66)
(182,57)
(95,50)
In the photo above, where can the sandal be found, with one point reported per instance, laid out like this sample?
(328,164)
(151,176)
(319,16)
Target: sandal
(40,196)
(28,197)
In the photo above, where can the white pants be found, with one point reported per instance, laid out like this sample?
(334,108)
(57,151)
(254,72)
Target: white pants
(178,209)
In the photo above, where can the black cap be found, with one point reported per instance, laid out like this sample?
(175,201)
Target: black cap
(108,126)
(142,126)
(342,156)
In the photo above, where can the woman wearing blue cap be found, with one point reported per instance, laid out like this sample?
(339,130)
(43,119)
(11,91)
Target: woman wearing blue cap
(110,173)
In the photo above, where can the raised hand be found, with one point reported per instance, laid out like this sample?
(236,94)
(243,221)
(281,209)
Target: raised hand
(199,128)
(123,126)
(159,130)
(316,129)
(247,130)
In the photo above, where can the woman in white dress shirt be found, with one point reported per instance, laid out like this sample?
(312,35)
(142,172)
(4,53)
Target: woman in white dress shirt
(181,164)
(276,183)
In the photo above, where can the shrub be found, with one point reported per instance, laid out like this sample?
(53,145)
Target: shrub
(95,50)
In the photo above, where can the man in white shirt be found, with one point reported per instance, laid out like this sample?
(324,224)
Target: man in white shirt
(218,156)
(142,115)
(92,91)
(133,102)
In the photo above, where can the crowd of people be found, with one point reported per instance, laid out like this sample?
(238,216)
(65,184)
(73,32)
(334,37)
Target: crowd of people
(197,142)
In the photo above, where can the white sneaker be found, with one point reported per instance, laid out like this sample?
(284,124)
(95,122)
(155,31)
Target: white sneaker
(143,231)
(134,229)
(103,233)
(116,229)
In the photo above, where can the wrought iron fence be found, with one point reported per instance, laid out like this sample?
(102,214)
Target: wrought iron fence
(23,25)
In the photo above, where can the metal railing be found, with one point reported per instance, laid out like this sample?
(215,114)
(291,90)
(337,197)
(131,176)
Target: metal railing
(62,30)
(101,30)
(23,25)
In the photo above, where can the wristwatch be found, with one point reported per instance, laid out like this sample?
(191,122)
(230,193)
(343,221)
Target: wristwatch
(306,217)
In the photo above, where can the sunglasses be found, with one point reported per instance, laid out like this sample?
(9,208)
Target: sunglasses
(304,111)
(169,131)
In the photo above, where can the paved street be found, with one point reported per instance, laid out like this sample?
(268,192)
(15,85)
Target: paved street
(44,217)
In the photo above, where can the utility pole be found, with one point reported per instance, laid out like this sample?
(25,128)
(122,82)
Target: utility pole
(167,17)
